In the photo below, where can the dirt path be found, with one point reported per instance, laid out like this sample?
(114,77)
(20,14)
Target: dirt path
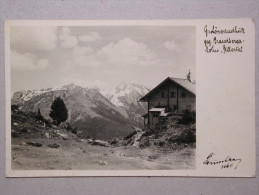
(82,156)
(136,140)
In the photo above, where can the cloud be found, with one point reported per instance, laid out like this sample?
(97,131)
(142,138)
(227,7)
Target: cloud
(82,56)
(181,43)
(91,36)
(81,50)
(67,40)
(36,38)
(127,52)
(27,61)
(171,45)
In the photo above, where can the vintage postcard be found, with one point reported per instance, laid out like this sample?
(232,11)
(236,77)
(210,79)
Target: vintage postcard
(130,98)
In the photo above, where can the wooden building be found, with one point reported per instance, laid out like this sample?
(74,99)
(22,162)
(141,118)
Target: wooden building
(170,96)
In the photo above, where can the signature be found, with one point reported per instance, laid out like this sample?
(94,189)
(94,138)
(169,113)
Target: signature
(228,162)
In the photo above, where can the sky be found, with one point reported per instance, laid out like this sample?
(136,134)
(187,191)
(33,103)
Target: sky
(99,56)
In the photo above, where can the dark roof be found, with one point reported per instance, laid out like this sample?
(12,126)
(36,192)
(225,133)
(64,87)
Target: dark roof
(184,83)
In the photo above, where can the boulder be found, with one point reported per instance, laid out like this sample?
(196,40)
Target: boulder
(47,135)
(34,144)
(103,162)
(53,145)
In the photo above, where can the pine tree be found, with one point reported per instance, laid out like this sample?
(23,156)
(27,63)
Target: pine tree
(58,111)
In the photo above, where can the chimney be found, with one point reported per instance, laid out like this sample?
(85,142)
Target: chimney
(189,76)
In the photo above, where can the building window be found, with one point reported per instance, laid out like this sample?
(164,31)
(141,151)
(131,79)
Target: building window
(155,115)
(162,94)
(183,94)
(172,95)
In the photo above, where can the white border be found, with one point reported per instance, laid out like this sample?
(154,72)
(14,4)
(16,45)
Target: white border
(58,173)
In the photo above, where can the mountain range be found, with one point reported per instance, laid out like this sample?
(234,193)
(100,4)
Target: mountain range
(94,112)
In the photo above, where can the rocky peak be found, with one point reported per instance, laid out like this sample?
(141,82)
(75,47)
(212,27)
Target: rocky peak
(122,86)
(128,87)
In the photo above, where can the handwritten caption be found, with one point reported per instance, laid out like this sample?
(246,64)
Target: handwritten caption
(220,40)
(228,162)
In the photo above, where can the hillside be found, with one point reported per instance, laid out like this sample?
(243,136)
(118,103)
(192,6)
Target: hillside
(39,145)
(29,126)
(171,134)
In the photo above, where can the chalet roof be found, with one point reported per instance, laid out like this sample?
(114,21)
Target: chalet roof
(186,84)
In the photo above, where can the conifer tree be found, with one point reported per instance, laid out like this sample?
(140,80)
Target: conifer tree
(58,111)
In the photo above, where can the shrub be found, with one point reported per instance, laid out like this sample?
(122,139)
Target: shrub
(188,117)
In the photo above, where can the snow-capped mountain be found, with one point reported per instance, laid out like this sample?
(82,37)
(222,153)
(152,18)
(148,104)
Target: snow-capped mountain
(94,112)
(125,96)
(132,91)
(25,95)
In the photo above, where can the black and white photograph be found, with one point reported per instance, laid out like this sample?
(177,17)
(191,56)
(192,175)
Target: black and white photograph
(103,97)
(130,98)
